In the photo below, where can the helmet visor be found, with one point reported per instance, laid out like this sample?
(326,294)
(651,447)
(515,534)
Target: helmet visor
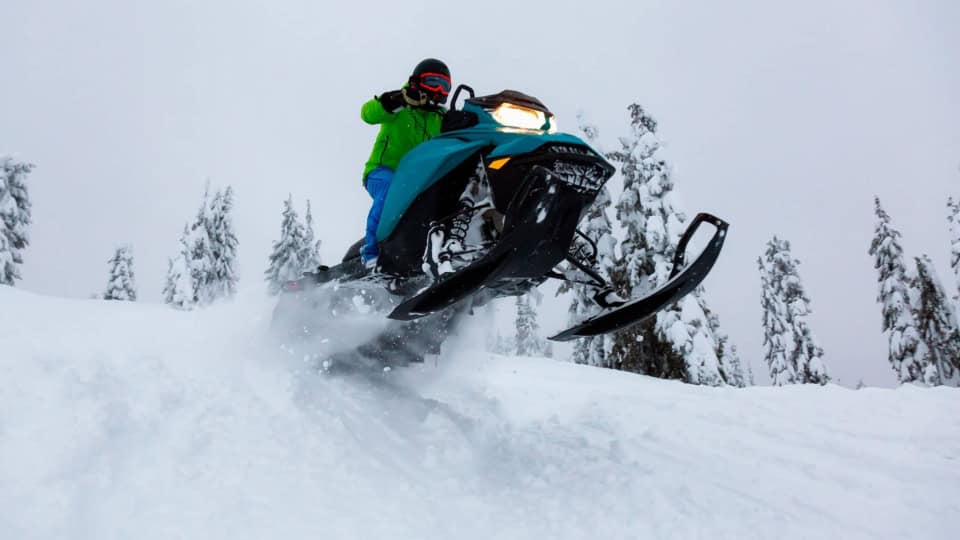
(436,83)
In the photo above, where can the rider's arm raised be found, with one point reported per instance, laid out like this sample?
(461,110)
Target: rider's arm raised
(380,109)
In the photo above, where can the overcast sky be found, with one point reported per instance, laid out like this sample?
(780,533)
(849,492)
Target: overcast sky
(783,118)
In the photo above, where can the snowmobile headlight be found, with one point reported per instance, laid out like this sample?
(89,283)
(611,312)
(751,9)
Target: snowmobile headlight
(511,115)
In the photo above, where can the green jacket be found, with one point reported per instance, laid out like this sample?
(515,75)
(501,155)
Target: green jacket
(399,132)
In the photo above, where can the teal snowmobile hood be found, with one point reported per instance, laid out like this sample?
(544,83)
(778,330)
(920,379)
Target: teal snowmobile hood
(430,161)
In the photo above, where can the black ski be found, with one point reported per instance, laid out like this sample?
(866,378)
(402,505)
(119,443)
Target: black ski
(448,290)
(681,283)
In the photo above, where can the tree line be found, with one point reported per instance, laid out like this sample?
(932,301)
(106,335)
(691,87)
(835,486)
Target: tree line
(684,341)
(202,272)
(919,317)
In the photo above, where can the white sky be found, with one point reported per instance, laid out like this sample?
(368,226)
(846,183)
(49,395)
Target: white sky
(784,118)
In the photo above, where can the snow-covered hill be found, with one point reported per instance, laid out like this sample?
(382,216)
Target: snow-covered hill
(123,420)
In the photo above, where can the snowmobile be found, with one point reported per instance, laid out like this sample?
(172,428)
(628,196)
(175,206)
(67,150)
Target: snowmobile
(488,209)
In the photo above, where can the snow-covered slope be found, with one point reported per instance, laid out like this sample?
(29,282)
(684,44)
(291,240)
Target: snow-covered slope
(122,420)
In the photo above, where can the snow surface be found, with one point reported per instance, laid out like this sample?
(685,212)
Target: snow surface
(127,420)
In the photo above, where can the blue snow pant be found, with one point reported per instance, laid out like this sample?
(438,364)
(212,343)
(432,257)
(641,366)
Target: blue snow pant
(377,184)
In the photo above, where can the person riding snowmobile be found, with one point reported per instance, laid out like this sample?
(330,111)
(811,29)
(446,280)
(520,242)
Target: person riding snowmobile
(407,117)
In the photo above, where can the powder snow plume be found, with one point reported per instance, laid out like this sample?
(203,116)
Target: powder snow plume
(127,420)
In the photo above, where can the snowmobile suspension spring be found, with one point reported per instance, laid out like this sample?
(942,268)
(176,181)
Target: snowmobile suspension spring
(461,222)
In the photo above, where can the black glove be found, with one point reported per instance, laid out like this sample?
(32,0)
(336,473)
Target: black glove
(392,101)
(414,97)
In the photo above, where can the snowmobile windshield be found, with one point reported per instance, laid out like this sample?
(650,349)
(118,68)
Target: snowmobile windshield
(514,98)
(517,110)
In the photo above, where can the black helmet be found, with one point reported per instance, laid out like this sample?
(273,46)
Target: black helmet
(433,77)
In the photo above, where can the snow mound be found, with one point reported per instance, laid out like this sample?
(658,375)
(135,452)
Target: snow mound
(125,420)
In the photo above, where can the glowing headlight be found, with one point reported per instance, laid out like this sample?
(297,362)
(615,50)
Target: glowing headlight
(516,116)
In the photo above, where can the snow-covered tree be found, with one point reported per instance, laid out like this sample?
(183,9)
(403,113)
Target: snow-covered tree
(776,336)
(311,246)
(899,324)
(790,348)
(180,290)
(120,284)
(9,266)
(732,368)
(597,227)
(222,280)
(937,325)
(748,369)
(528,341)
(677,344)
(14,217)
(953,219)
(200,258)
(205,269)
(291,253)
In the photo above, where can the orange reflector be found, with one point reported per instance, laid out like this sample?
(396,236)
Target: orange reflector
(498,163)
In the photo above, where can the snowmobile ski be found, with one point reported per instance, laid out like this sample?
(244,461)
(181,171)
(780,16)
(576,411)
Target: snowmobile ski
(448,290)
(682,281)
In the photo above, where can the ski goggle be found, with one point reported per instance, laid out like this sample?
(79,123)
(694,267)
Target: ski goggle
(435,82)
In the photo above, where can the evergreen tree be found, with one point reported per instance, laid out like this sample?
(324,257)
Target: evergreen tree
(898,319)
(597,227)
(677,344)
(527,343)
(222,281)
(205,271)
(953,219)
(775,331)
(180,289)
(200,259)
(170,281)
(807,353)
(120,285)
(734,369)
(15,217)
(748,369)
(291,252)
(731,367)
(786,300)
(9,267)
(937,324)
(311,246)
